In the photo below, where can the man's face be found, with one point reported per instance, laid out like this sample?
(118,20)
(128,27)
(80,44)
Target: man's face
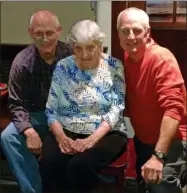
(87,54)
(132,34)
(45,34)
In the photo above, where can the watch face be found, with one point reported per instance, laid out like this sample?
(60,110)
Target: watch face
(160,155)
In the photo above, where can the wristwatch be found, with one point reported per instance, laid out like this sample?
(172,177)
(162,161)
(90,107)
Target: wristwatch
(160,155)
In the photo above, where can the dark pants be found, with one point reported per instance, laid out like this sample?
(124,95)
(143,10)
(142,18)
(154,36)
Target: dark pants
(176,160)
(78,172)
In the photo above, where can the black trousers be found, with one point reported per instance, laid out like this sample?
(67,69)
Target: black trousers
(143,154)
(78,173)
(173,166)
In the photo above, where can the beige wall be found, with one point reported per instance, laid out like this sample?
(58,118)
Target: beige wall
(15,17)
(104,14)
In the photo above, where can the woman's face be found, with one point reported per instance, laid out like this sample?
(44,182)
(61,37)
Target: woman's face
(87,55)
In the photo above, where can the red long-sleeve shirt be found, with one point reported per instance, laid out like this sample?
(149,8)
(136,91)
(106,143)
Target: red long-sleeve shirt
(155,88)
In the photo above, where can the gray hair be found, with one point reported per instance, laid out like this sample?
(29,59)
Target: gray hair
(55,18)
(85,31)
(141,14)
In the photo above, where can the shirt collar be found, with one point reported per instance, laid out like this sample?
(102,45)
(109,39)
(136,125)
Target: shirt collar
(57,54)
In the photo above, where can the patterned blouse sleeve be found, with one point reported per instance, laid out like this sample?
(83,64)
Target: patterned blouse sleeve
(52,105)
(115,113)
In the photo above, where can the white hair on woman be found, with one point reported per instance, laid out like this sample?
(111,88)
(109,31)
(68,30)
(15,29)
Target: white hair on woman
(85,31)
(137,13)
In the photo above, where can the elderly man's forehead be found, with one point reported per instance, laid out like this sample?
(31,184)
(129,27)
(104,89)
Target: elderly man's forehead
(41,20)
(44,13)
(133,18)
(132,15)
(43,16)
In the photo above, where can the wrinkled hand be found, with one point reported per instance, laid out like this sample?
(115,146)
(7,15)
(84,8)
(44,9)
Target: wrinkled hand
(152,170)
(33,141)
(65,145)
(80,145)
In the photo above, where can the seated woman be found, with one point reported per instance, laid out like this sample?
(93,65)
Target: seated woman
(85,112)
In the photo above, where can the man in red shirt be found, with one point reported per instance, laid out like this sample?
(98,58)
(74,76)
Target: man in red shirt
(156,105)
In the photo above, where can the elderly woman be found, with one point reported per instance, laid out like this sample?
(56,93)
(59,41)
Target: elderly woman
(85,112)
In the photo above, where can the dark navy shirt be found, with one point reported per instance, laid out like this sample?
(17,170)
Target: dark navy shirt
(29,83)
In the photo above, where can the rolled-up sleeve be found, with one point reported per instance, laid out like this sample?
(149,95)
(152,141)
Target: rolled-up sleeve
(115,113)
(169,86)
(16,88)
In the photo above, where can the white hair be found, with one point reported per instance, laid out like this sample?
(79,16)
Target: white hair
(142,15)
(84,31)
(55,18)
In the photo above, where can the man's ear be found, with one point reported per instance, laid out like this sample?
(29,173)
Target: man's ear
(59,30)
(118,34)
(30,32)
(148,32)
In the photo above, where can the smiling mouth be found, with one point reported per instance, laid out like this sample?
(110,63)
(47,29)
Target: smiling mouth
(45,45)
(86,60)
(131,44)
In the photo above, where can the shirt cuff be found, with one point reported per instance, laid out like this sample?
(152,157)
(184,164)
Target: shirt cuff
(51,120)
(22,126)
(173,115)
(111,119)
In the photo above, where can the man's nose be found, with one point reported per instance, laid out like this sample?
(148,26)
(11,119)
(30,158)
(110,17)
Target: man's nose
(131,34)
(45,39)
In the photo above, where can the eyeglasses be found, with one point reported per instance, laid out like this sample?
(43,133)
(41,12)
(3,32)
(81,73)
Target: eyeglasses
(48,34)
(128,31)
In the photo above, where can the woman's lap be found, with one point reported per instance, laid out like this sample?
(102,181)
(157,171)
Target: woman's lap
(56,164)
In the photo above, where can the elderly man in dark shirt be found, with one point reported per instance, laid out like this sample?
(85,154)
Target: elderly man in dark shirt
(29,83)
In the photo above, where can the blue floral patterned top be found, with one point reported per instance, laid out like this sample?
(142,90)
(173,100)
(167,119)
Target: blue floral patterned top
(82,99)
